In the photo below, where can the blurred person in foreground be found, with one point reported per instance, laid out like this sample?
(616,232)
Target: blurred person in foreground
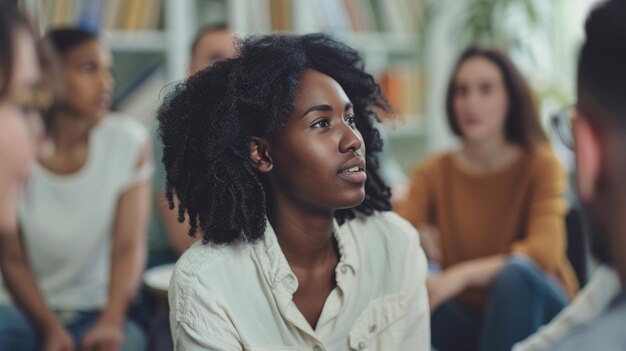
(21,99)
(596,125)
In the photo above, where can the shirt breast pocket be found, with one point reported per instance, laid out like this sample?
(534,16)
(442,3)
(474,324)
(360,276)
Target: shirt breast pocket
(378,327)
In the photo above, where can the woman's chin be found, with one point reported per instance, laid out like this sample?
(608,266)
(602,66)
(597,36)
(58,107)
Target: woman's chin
(474,137)
(353,200)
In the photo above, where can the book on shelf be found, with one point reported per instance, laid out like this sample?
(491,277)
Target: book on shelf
(90,17)
(62,12)
(96,15)
(336,14)
(403,85)
(281,18)
(111,14)
(389,16)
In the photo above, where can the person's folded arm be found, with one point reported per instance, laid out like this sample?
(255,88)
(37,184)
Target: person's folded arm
(545,241)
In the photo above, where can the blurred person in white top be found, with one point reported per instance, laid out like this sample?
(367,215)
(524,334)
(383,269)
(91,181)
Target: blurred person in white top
(73,270)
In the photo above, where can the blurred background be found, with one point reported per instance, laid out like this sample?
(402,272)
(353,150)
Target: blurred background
(409,46)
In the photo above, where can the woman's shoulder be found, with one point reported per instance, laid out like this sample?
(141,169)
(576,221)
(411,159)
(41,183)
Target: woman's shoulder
(433,164)
(542,159)
(202,289)
(543,153)
(388,250)
(202,259)
(205,269)
(122,140)
(384,229)
(436,160)
(120,126)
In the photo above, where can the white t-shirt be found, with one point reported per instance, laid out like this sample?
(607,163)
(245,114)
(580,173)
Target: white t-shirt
(67,221)
(240,296)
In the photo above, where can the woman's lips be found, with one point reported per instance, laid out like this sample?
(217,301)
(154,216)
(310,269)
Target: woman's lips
(471,121)
(354,175)
(104,102)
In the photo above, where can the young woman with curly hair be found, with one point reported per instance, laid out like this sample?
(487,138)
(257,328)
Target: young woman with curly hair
(272,157)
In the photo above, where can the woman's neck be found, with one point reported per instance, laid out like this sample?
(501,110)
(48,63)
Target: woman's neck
(306,239)
(69,131)
(488,154)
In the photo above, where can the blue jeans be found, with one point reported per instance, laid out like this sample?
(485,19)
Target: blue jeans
(18,334)
(522,299)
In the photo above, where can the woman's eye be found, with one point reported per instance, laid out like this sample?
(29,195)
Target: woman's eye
(486,89)
(351,119)
(460,90)
(88,67)
(321,124)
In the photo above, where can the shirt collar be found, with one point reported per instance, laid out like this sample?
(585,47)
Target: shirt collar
(276,268)
(619,300)
(347,247)
(273,262)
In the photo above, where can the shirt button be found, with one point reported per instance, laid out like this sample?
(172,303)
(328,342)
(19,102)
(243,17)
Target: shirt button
(362,345)
(373,328)
(317,348)
(344,269)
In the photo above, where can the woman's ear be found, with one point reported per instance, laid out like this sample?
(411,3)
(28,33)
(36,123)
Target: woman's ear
(260,158)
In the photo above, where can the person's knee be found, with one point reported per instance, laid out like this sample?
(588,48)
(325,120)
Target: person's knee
(134,337)
(441,316)
(16,333)
(13,320)
(519,275)
(454,327)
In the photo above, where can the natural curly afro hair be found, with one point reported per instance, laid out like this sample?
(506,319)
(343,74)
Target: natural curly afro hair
(209,120)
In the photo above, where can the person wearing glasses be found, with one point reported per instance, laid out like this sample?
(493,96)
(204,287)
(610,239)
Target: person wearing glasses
(492,213)
(596,129)
(20,121)
(76,265)
(597,295)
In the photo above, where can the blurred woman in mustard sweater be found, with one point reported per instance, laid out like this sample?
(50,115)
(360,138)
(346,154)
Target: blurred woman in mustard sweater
(491,213)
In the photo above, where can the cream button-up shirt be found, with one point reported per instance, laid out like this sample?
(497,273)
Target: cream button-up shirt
(240,296)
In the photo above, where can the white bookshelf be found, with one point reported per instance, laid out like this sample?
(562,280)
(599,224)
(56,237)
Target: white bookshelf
(183,17)
(408,127)
(136,41)
(386,42)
